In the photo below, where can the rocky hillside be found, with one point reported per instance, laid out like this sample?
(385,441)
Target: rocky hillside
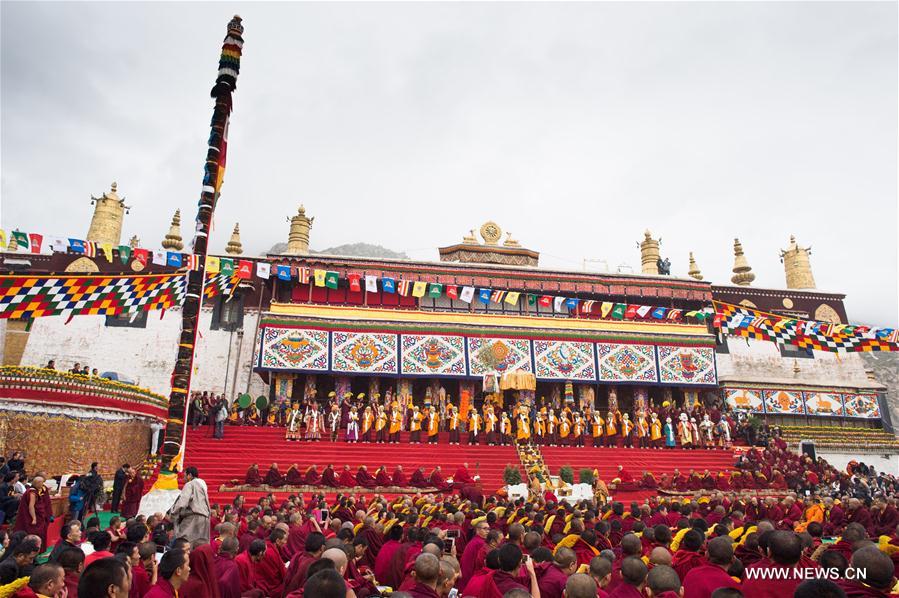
(352,249)
(886,370)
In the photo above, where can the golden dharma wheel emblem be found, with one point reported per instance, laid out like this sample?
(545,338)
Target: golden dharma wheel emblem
(787,302)
(491,232)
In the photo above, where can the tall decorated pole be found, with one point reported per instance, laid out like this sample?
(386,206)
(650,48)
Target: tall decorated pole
(213,173)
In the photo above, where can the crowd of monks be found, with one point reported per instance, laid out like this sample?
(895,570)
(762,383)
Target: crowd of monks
(428,544)
(566,424)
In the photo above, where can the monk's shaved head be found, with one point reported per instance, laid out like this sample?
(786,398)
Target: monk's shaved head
(565,557)
(660,556)
(427,569)
(338,557)
(580,586)
(878,567)
(720,550)
(633,571)
(631,545)
(663,579)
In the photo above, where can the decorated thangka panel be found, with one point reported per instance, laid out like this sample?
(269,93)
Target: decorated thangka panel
(861,405)
(486,355)
(619,362)
(564,360)
(743,399)
(823,403)
(364,352)
(788,402)
(431,354)
(687,365)
(294,349)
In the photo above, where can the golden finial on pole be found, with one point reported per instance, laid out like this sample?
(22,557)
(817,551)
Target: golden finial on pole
(743,275)
(173,240)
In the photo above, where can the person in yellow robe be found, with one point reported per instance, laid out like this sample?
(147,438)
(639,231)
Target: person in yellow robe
(655,431)
(452,423)
(475,425)
(627,430)
(433,425)
(597,428)
(396,424)
(368,419)
(524,427)
(415,426)
(381,425)
(505,429)
(578,430)
(612,427)
(564,429)
(642,430)
(490,425)
(540,427)
(552,428)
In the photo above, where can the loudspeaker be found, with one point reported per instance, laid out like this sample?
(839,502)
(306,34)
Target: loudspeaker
(807,447)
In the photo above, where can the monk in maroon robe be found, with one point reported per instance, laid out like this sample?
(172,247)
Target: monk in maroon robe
(887,519)
(365,479)
(293,477)
(273,477)
(312,476)
(253,478)
(835,521)
(462,477)
(382,478)
(329,478)
(859,513)
(134,490)
(346,478)
(649,481)
(399,478)
(694,483)
(418,479)
(436,480)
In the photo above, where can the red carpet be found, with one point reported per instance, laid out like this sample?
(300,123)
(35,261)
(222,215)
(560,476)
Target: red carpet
(220,461)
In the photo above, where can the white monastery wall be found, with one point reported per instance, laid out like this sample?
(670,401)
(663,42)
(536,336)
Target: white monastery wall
(147,355)
(885,463)
(751,360)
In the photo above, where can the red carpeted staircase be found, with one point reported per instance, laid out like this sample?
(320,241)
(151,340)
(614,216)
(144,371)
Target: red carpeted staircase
(220,461)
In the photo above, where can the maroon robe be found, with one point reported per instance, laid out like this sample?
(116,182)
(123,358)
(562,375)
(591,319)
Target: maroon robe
(347,479)
(862,516)
(228,576)
(835,521)
(382,478)
(42,511)
(398,478)
(461,478)
(855,589)
(294,477)
(887,521)
(682,561)
(773,585)
(418,479)
(705,579)
(436,480)
(273,478)
(270,571)
(296,573)
(384,558)
(312,476)
(253,478)
(329,478)
(134,490)
(365,479)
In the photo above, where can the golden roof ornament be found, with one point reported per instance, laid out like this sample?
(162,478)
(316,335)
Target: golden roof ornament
(694,272)
(298,238)
(743,275)
(470,238)
(797,266)
(134,242)
(173,240)
(510,242)
(234,246)
(109,214)
(491,232)
(649,254)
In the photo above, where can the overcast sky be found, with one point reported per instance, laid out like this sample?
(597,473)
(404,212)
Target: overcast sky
(574,126)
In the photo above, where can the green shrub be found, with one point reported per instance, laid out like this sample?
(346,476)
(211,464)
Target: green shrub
(586,476)
(567,474)
(511,475)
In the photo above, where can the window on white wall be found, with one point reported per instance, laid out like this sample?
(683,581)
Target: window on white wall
(136,319)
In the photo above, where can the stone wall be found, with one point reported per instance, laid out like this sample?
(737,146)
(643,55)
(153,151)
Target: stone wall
(59,444)
(147,355)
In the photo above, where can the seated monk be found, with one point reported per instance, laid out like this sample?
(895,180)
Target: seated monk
(312,476)
(329,478)
(346,478)
(436,480)
(381,477)
(708,481)
(253,478)
(462,478)
(625,479)
(365,479)
(649,481)
(399,478)
(273,477)
(293,476)
(418,479)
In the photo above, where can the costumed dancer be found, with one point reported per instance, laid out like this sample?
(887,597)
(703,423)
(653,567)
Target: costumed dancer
(724,439)
(334,422)
(474,426)
(314,424)
(381,425)
(452,418)
(655,430)
(707,431)
(294,418)
(669,433)
(352,425)
(685,432)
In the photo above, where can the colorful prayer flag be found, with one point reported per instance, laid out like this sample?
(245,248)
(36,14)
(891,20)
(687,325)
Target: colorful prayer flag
(192,263)
(605,309)
(21,239)
(90,249)
(452,291)
(419,288)
(558,302)
(371,284)
(484,295)
(403,287)
(355,282)
(227,266)
(587,306)
(659,313)
(546,300)
(124,254)
(37,240)
(107,251)
(213,264)
(282,272)
(435,290)
(631,312)
(331,279)
(674,314)
(618,311)
(141,255)
(643,310)
(77,245)
(571,303)
(497,296)
(319,278)
(532,299)
(388,285)
(172,258)
(512,297)
(244,269)
(467,294)
(2,238)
